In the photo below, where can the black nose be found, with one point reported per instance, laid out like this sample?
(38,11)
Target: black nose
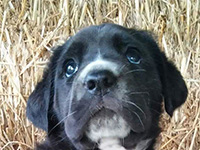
(99,82)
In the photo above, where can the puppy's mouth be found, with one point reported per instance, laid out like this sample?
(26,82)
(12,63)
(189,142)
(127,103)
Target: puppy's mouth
(105,118)
(107,124)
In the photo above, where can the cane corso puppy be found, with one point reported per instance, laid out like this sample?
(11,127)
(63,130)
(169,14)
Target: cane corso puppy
(105,82)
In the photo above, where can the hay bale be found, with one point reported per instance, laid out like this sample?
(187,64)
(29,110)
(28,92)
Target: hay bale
(28,30)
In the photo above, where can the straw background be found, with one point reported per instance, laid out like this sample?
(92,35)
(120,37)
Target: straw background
(30,28)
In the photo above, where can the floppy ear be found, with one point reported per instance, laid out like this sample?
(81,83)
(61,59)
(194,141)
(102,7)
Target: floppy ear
(38,103)
(39,106)
(174,88)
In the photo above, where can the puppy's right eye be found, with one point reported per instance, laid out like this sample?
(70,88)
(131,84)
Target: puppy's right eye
(71,68)
(133,55)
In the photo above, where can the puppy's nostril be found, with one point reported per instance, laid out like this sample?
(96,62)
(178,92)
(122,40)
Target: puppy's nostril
(99,82)
(91,84)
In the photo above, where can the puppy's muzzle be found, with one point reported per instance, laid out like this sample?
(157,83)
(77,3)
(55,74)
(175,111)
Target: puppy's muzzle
(99,82)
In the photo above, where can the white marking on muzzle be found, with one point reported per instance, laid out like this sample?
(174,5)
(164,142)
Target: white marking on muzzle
(99,64)
(105,127)
(114,144)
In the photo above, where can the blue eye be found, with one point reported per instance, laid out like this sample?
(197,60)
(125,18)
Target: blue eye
(71,68)
(133,56)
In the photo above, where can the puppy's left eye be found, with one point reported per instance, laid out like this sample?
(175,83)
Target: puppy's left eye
(71,68)
(133,55)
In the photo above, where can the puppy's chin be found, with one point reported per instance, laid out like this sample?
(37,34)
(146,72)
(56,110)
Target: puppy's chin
(105,117)
(107,123)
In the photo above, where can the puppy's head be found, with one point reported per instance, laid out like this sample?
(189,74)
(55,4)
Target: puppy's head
(106,81)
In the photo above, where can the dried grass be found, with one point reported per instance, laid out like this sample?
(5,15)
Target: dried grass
(29,28)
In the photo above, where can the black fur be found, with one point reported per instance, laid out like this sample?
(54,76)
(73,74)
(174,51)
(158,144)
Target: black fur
(47,105)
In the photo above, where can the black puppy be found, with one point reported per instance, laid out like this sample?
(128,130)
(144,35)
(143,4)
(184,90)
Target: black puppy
(105,82)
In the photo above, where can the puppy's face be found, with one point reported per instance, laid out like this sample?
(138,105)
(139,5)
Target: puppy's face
(106,81)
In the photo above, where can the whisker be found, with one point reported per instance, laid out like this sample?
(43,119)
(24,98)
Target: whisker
(139,119)
(135,70)
(133,93)
(155,111)
(59,141)
(120,69)
(61,122)
(132,103)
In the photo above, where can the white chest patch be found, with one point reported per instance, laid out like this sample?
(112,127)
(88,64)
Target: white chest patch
(114,144)
(105,125)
